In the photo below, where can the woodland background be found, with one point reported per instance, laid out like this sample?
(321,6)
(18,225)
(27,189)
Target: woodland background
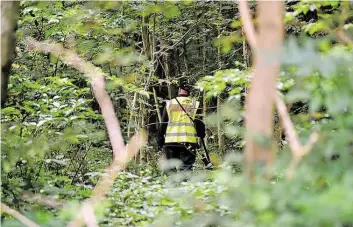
(55,143)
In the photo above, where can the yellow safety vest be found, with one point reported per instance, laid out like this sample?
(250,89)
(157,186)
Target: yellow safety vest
(180,129)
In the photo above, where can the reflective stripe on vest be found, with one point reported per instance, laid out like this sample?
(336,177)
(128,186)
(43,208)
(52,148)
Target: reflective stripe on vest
(180,128)
(179,124)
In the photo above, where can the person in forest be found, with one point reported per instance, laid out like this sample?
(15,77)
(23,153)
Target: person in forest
(177,134)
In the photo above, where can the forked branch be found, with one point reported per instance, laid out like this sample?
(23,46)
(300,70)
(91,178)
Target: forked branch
(18,216)
(97,78)
(121,154)
(298,150)
(266,45)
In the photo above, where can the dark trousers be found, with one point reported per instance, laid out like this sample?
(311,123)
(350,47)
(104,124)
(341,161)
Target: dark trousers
(182,153)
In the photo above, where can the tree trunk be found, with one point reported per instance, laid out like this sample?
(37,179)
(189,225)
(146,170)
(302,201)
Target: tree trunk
(145,37)
(219,60)
(278,131)
(204,109)
(185,58)
(165,66)
(9,17)
(153,40)
(142,149)
(131,115)
(245,52)
(260,101)
(204,54)
(219,131)
(157,106)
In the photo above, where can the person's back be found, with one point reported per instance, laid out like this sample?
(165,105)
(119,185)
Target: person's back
(177,133)
(180,128)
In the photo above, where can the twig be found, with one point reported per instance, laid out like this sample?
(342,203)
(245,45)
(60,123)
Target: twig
(287,124)
(41,199)
(181,38)
(248,26)
(340,34)
(80,165)
(299,154)
(18,216)
(298,150)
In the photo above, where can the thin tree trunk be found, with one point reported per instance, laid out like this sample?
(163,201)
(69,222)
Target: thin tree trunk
(219,60)
(138,122)
(260,100)
(245,51)
(145,37)
(219,47)
(219,132)
(153,40)
(165,66)
(185,58)
(142,150)
(204,54)
(204,109)
(131,115)
(120,67)
(9,16)
(166,71)
(177,62)
(277,134)
(157,106)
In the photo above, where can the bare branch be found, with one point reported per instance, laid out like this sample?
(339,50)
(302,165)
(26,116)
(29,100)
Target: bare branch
(88,215)
(111,172)
(122,153)
(98,83)
(156,104)
(340,34)
(287,124)
(41,199)
(18,216)
(298,151)
(299,154)
(248,26)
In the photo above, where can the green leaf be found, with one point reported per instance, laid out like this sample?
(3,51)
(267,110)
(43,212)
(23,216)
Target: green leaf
(172,12)
(261,200)
(231,130)
(316,27)
(235,24)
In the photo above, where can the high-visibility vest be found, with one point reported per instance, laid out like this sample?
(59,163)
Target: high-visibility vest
(180,129)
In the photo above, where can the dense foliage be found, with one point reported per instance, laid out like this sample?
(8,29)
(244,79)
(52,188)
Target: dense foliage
(54,142)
